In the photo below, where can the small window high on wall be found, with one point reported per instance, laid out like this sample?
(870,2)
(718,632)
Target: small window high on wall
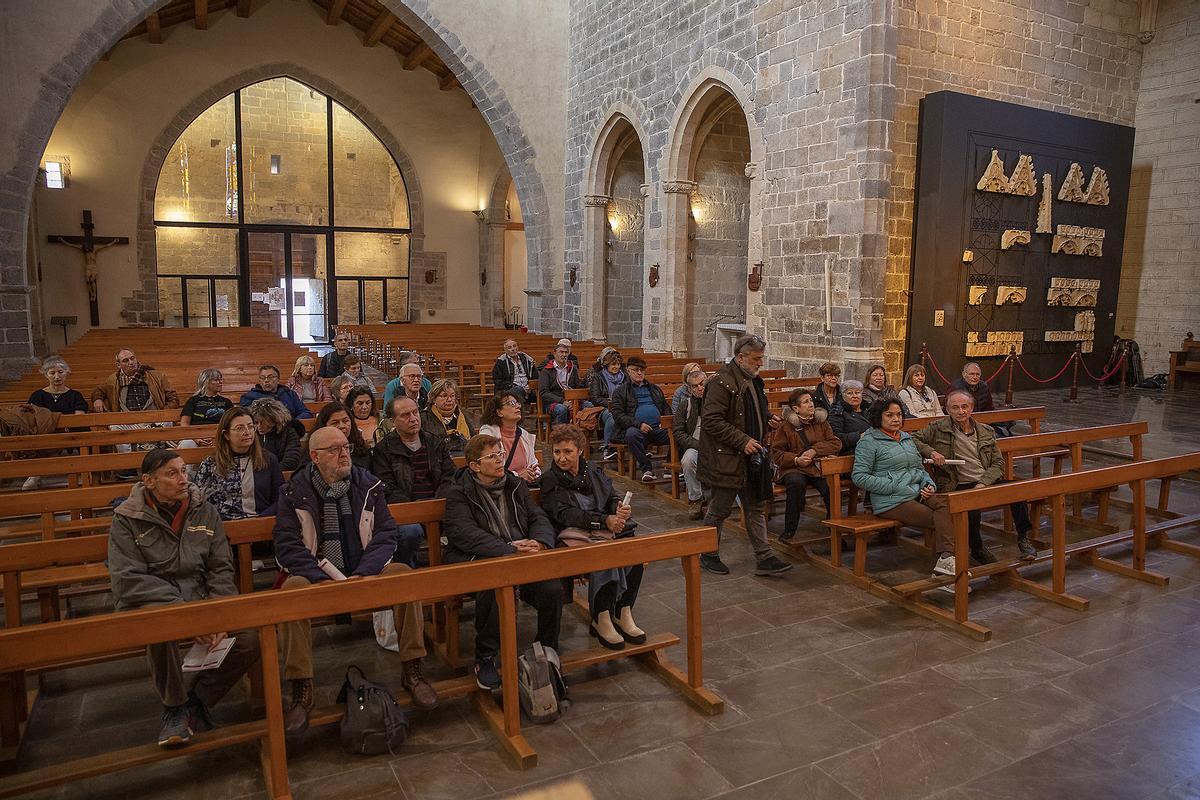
(279,208)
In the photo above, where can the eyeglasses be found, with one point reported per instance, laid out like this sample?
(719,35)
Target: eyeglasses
(511,403)
(497,456)
(335,448)
(242,429)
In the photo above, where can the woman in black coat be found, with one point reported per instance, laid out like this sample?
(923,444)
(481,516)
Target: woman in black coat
(581,503)
(278,432)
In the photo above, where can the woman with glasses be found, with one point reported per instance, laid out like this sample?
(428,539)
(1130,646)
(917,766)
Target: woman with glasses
(340,388)
(335,415)
(305,383)
(682,392)
(502,419)
(602,384)
(828,396)
(446,419)
(277,432)
(206,406)
(241,479)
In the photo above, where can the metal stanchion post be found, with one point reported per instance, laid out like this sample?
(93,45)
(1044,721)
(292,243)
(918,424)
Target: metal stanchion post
(1012,363)
(1074,398)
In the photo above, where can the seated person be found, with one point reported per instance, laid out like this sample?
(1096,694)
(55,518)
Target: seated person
(687,441)
(57,398)
(490,513)
(361,402)
(332,541)
(958,436)
(241,479)
(602,383)
(411,382)
(279,434)
(167,546)
(638,407)
(875,385)
(336,415)
(355,374)
(849,418)
(333,363)
(339,388)
(796,447)
(681,392)
(134,387)
(973,383)
(918,399)
(269,386)
(553,354)
(306,384)
(559,374)
(446,419)
(888,465)
(502,419)
(579,499)
(413,464)
(207,405)
(514,368)
(828,396)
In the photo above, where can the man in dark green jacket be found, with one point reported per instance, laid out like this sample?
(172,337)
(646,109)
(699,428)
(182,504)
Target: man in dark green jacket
(734,461)
(958,437)
(167,546)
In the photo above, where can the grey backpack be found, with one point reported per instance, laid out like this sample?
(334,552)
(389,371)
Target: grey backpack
(540,684)
(373,723)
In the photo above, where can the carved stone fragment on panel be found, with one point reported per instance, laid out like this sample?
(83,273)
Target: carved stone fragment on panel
(1072,188)
(994,178)
(1023,180)
(1011,237)
(975,295)
(1044,214)
(1097,190)
(1079,292)
(1076,241)
(1084,331)
(998,343)
(1011,295)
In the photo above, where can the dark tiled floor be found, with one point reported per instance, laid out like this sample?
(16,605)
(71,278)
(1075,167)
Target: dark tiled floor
(831,694)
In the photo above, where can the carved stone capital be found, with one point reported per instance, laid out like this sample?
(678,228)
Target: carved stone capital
(596,200)
(752,170)
(645,188)
(1148,21)
(679,187)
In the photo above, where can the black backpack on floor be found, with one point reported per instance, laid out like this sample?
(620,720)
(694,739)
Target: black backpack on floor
(373,723)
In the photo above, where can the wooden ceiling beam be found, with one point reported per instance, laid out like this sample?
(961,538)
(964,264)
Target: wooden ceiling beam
(153,29)
(378,28)
(417,56)
(243,8)
(201,17)
(447,81)
(335,12)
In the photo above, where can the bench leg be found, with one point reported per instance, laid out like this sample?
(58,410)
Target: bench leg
(505,722)
(860,555)
(835,547)
(273,752)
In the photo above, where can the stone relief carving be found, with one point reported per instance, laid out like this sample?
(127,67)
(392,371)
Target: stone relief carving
(975,295)
(1097,189)
(1084,331)
(994,178)
(1044,214)
(679,187)
(1072,292)
(1072,188)
(998,343)
(1011,295)
(1011,237)
(1076,241)
(1023,179)
(596,200)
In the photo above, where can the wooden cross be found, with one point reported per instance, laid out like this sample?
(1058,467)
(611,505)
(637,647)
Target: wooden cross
(89,245)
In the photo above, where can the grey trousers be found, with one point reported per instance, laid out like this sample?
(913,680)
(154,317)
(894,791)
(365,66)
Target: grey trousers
(210,685)
(720,506)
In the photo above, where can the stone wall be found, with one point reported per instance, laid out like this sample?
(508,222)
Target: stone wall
(1160,278)
(626,273)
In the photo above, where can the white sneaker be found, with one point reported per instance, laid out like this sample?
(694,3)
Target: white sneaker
(31,483)
(648,477)
(945,566)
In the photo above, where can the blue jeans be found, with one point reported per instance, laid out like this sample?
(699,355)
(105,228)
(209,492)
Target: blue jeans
(637,441)
(408,543)
(610,426)
(560,413)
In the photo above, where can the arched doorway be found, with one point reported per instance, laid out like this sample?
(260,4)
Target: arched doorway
(277,207)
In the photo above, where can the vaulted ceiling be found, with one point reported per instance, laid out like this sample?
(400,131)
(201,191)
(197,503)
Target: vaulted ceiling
(377,25)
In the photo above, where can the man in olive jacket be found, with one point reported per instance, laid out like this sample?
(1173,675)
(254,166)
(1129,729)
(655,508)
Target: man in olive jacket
(167,546)
(735,421)
(959,437)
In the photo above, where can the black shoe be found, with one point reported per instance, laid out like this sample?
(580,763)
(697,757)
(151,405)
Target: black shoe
(981,555)
(772,565)
(486,674)
(199,720)
(175,729)
(714,564)
(787,536)
(1028,551)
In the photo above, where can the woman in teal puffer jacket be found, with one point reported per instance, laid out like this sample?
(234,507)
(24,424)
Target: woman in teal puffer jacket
(888,465)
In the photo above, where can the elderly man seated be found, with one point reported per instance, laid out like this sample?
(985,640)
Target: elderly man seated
(167,546)
(514,368)
(333,524)
(133,387)
(958,437)
(269,386)
(490,513)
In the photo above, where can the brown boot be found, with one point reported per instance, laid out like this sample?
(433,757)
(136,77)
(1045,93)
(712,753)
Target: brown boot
(696,509)
(423,695)
(295,716)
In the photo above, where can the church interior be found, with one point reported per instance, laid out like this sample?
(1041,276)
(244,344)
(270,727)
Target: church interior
(900,296)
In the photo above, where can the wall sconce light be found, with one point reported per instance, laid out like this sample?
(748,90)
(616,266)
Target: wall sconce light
(754,279)
(614,222)
(697,212)
(652,278)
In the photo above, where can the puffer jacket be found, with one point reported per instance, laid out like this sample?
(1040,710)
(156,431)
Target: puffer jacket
(160,390)
(466,524)
(892,471)
(284,444)
(787,444)
(149,565)
(848,425)
(939,436)
(723,426)
(624,403)
(283,394)
(391,460)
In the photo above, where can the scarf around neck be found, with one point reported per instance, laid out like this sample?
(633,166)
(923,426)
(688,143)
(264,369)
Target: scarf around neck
(335,504)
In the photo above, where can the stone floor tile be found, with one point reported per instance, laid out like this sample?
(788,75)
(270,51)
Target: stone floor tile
(438,776)
(901,653)
(820,601)
(1163,741)
(906,702)
(1032,720)
(1008,668)
(806,783)
(630,727)
(1064,772)
(376,780)
(559,751)
(797,683)
(674,772)
(801,640)
(1102,636)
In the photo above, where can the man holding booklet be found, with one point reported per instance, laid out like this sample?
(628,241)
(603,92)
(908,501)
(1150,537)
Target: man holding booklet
(167,546)
(333,524)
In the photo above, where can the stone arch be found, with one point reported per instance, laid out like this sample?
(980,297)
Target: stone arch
(116,17)
(142,306)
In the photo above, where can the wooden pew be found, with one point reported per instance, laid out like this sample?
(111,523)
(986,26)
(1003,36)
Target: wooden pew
(45,645)
(1185,362)
(83,470)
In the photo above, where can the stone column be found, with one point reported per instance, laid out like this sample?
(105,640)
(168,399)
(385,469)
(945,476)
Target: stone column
(676,269)
(755,310)
(594,268)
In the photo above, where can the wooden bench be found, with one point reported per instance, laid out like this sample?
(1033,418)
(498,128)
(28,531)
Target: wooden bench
(1185,362)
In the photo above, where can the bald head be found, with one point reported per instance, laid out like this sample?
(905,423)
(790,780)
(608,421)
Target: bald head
(127,362)
(330,453)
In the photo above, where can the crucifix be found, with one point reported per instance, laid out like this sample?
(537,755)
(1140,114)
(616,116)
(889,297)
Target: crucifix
(89,245)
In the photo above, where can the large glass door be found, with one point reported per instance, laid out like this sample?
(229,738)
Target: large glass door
(288,284)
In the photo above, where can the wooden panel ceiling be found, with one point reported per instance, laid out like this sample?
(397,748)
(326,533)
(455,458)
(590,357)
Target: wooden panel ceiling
(377,26)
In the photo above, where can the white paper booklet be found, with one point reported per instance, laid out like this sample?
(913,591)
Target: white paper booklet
(201,658)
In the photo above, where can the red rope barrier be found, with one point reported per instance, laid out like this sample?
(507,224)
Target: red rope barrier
(1048,380)
(937,371)
(1107,375)
(999,369)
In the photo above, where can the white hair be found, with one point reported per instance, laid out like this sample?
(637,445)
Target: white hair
(54,361)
